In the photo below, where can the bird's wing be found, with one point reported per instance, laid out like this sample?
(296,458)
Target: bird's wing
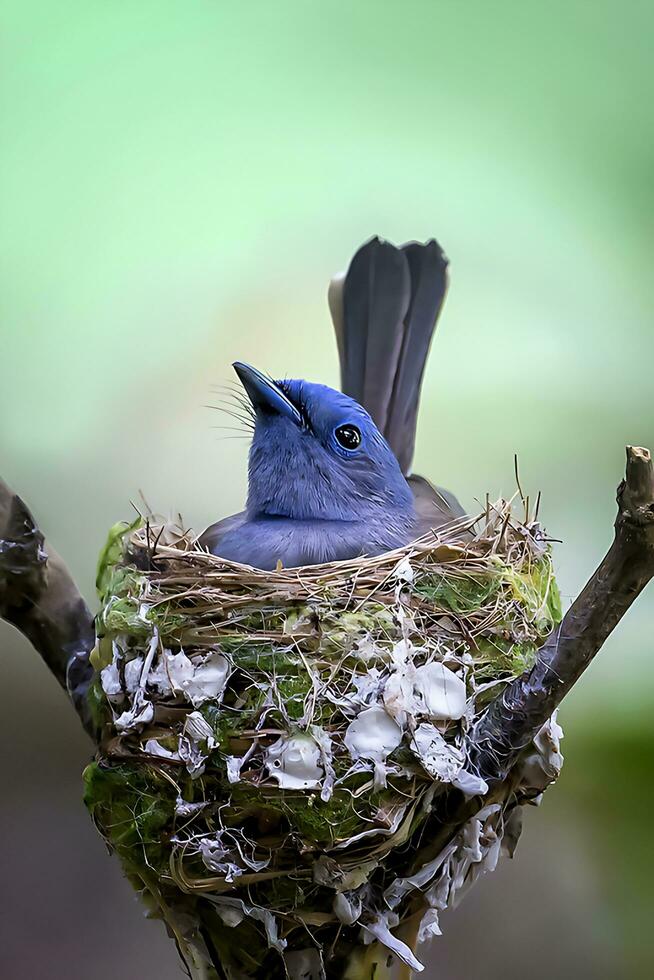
(211,538)
(434,505)
(384,311)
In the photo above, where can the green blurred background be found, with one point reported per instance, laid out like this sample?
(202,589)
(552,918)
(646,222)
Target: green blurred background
(178,180)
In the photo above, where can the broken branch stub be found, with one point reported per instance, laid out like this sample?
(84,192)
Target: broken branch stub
(516,715)
(38,597)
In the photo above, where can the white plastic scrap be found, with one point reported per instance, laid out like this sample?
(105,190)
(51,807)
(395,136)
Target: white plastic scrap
(368,651)
(379,929)
(192,756)
(373,735)
(476,851)
(423,876)
(438,895)
(176,673)
(216,858)
(443,693)
(228,855)
(399,698)
(403,571)
(472,852)
(233,910)
(396,818)
(153,747)
(170,667)
(141,713)
(364,690)
(184,809)
(144,609)
(543,765)
(443,761)
(429,926)
(235,763)
(209,679)
(195,743)
(294,761)
(403,651)
(324,742)
(133,671)
(431,690)
(470,784)
(482,839)
(347,907)
(548,742)
(110,680)
(198,728)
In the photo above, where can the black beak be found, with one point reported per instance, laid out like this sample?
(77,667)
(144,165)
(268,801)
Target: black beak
(265,395)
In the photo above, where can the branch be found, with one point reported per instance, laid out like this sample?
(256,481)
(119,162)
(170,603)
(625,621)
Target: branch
(516,715)
(38,596)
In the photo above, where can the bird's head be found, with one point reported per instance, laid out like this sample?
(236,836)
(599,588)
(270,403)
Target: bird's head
(317,455)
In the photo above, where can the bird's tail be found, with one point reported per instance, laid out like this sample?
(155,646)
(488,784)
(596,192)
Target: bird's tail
(384,311)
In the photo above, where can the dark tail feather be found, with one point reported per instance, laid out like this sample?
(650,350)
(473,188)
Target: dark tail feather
(384,314)
(428,267)
(376,297)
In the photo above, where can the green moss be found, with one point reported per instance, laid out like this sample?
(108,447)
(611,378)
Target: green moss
(132,807)
(316,822)
(122,616)
(112,554)
(102,653)
(497,656)
(462,594)
(300,618)
(97,704)
(293,692)
(537,592)
(342,630)
(265,659)
(125,615)
(223,723)
(170,623)
(533,587)
(323,823)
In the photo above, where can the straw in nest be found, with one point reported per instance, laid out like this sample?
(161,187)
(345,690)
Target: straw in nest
(274,744)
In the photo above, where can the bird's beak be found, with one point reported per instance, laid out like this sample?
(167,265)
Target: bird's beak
(265,395)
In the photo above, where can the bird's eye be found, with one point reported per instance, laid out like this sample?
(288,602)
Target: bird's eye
(348,436)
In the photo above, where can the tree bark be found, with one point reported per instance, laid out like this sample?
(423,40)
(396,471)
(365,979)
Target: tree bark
(39,597)
(515,716)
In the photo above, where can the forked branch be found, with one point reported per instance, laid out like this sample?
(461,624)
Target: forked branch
(38,595)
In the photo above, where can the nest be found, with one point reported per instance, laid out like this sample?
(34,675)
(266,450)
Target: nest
(274,746)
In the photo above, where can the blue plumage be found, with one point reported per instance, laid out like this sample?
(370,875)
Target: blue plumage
(324,484)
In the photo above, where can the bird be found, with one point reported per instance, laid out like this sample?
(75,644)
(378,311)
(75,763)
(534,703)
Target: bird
(329,471)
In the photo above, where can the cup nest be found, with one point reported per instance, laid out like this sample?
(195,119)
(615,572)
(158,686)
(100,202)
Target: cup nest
(276,745)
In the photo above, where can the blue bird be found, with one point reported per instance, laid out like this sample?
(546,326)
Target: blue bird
(327,470)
